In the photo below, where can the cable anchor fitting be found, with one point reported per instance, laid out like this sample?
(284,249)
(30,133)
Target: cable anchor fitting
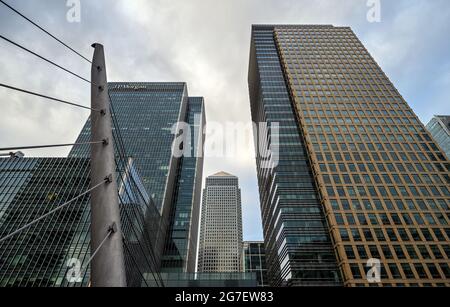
(109,179)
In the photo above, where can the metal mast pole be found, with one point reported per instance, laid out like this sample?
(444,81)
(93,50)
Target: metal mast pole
(107,267)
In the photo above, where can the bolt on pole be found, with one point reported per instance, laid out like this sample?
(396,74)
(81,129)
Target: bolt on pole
(108,266)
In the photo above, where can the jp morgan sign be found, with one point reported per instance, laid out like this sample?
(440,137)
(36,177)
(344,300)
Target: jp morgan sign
(134,87)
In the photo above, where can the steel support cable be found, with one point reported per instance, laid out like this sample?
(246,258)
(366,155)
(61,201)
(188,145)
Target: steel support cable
(65,217)
(133,259)
(126,216)
(122,156)
(122,167)
(45,31)
(45,59)
(52,146)
(85,266)
(111,230)
(121,148)
(133,187)
(47,97)
(125,242)
(149,247)
(53,211)
(130,252)
(122,164)
(141,230)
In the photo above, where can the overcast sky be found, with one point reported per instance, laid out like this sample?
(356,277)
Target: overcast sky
(206,44)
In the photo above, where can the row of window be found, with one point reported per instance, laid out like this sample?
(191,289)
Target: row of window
(395,235)
(389,205)
(406,271)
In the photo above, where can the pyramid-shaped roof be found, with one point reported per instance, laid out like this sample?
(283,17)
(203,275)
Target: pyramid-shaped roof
(223,174)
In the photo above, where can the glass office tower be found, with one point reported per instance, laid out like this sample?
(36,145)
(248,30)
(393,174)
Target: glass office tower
(299,250)
(439,128)
(180,252)
(145,113)
(254,260)
(359,176)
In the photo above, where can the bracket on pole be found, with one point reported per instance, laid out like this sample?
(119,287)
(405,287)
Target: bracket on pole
(113,228)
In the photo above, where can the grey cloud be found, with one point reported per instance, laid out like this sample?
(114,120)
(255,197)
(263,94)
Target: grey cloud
(205,43)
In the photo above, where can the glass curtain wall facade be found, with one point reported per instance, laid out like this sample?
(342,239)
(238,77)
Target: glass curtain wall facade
(255,261)
(180,252)
(439,128)
(40,255)
(145,114)
(383,182)
(29,188)
(299,250)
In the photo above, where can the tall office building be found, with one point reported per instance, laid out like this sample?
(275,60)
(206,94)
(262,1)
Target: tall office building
(358,176)
(145,114)
(439,128)
(254,261)
(221,225)
(298,245)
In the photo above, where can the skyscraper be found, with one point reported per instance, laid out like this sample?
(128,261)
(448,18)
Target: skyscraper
(358,176)
(299,250)
(254,260)
(439,127)
(145,113)
(221,225)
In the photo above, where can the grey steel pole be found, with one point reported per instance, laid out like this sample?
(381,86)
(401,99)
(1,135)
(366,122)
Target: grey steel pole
(107,267)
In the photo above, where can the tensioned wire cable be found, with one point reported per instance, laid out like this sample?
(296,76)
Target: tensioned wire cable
(47,97)
(92,257)
(51,146)
(122,165)
(44,30)
(51,212)
(45,59)
(66,102)
(68,217)
(140,245)
(132,194)
(122,157)
(139,216)
(45,181)
(110,231)
(143,243)
(125,243)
